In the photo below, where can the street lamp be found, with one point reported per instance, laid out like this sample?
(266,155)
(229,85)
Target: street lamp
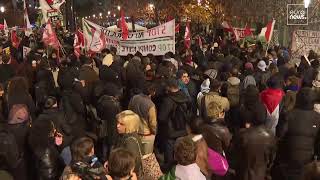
(119,7)
(2,9)
(109,12)
(94,16)
(100,14)
(306,3)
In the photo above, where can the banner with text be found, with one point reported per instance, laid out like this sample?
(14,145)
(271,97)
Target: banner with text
(157,41)
(303,41)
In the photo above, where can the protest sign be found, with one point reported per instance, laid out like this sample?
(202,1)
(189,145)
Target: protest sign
(303,41)
(241,32)
(157,41)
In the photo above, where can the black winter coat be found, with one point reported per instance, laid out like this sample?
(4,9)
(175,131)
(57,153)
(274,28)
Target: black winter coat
(75,111)
(48,163)
(60,122)
(300,137)
(165,119)
(217,136)
(6,72)
(254,153)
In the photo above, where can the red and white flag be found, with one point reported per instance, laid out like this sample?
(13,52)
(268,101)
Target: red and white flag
(78,43)
(14,39)
(187,36)
(49,37)
(267,32)
(228,27)
(124,27)
(27,24)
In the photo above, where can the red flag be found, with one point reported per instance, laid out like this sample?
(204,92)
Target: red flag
(49,37)
(78,43)
(177,28)
(267,32)
(1,26)
(187,36)
(247,31)
(14,39)
(124,27)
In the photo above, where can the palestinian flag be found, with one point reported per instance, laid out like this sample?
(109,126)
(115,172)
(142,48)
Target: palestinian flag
(94,38)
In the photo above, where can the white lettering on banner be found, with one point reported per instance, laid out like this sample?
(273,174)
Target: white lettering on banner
(157,41)
(240,32)
(303,41)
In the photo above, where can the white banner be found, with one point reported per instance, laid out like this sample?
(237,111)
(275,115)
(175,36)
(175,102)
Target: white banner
(157,41)
(303,41)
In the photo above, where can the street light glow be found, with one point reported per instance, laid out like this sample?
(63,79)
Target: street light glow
(307,3)
(114,15)
(100,14)
(2,9)
(119,7)
(94,16)
(109,12)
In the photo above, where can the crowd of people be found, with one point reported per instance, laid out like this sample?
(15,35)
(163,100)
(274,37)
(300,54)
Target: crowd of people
(215,111)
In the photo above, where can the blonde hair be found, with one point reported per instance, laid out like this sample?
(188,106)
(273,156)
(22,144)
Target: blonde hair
(130,120)
(214,109)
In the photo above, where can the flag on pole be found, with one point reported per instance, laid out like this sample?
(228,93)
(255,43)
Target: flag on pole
(78,43)
(267,32)
(5,28)
(49,37)
(124,27)
(187,36)
(228,27)
(177,28)
(27,24)
(14,39)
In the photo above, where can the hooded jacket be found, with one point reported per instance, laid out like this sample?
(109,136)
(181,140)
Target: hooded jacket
(165,114)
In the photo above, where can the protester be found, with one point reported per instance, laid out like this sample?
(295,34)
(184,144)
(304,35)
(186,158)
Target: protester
(44,139)
(121,165)
(254,147)
(128,127)
(300,136)
(172,120)
(84,162)
(185,155)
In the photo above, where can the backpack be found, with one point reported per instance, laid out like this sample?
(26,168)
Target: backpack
(180,116)
(19,113)
(66,107)
(233,94)
(9,151)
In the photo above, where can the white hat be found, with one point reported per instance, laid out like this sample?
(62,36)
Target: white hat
(262,65)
